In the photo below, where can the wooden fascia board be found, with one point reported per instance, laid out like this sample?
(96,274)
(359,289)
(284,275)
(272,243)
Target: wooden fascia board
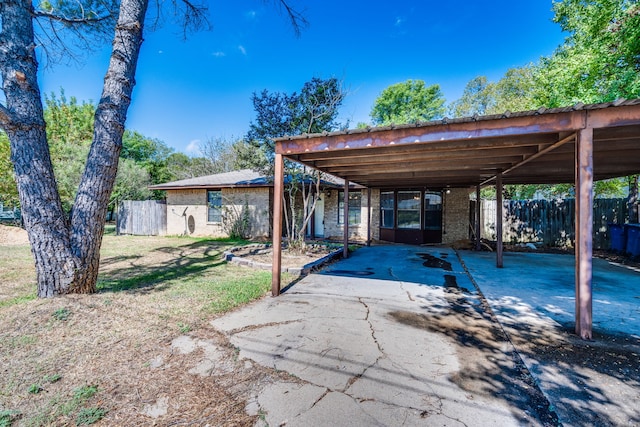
(485,129)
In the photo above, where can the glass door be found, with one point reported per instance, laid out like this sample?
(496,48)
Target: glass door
(433,216)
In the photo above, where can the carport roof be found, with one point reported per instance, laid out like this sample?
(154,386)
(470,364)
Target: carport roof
(531,147)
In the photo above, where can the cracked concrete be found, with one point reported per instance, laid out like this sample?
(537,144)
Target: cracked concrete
(374,350)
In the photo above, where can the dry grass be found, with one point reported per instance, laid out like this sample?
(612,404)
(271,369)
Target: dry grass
(117,342)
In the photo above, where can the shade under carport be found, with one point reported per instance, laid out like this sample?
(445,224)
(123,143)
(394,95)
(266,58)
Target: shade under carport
(577,144)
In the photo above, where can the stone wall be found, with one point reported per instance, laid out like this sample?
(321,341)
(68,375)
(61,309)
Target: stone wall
(456,215)
(189,207)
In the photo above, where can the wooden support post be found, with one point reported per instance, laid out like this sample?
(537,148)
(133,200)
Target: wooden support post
(278,194)
(584,232)
(345,249)
(368,216)
(499,256)
(478,205)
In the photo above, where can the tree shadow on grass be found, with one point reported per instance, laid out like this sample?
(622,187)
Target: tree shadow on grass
(187,261)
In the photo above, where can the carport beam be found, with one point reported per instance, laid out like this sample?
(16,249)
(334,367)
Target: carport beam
(278,194)
(584,232)
(499,257)
(369,216)
(345,248)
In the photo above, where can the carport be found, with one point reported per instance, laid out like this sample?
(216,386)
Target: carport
(577,144)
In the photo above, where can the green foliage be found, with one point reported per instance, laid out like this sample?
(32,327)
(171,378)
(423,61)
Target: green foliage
(248,157)
(131,182)
(52,378)
(237,291)
(608,188)
(184,327)
(180,166)
(17,300)
(600,58)
(144,161)
(236,221)
(69,133)
(7,417)
(477,98)
(598,62)
(34,389)
(313,110)
(84,393)
(61,314)
(408,102)
(8,188)
(515,91)
(88,416)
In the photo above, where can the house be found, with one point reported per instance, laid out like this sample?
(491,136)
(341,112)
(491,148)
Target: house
(208,206)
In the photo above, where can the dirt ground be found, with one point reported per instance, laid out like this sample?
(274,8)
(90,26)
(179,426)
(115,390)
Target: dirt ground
(119,342)
(10,236)
(296,259)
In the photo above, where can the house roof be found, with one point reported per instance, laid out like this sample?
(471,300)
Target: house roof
(530,147)
(241,178)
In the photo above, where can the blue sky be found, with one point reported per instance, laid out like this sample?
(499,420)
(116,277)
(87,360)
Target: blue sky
(193,90)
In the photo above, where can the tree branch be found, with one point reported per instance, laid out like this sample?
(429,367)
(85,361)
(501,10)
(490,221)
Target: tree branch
(71,21)
(298,21)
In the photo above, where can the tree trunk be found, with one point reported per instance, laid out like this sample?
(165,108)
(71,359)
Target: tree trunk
(66,253)
(92,201)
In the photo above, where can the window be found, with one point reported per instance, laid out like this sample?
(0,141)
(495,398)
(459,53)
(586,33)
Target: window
(355,204)
(387,208)
(214,202)
(409,209)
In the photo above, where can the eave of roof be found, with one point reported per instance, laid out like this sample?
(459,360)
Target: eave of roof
(529,147)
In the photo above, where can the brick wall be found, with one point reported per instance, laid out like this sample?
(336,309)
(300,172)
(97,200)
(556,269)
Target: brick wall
(257,200)
(191,205)
(335,231)
(456,215)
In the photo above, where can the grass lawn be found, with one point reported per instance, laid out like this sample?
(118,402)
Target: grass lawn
(106,358)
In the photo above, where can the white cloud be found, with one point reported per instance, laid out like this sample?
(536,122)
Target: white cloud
(160,52)
(219,54)
(242,50)
(251,14)
(399,21)
(193,147)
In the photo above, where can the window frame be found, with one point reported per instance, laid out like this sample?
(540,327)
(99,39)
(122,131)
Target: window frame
(355,212)
(391,210)
(215,220)
(418,210)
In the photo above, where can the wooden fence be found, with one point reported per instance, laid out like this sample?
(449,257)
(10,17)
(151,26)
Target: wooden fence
(550,222)
(142,218)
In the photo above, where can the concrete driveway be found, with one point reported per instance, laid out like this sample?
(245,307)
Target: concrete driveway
(595,383)
(394,335)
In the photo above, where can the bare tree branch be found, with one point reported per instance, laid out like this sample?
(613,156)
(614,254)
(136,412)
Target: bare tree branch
(71,21)
(297,19)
